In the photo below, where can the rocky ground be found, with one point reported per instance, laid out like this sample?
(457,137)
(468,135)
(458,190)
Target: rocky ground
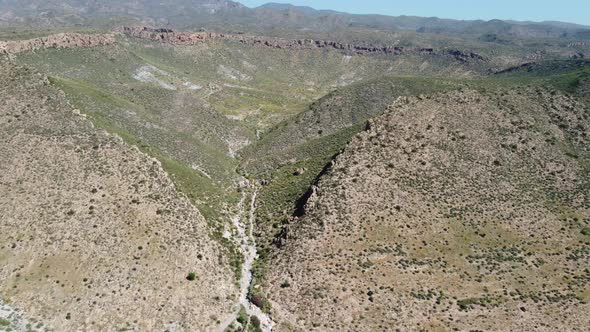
(460,211)
(94,235)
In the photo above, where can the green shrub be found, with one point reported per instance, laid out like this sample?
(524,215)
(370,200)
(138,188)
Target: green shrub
(243,316)
(255,321)
(191,276)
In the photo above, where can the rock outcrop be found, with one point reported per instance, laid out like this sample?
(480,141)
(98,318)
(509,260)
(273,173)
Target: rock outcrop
(61,40)
(170,36)
(191,38)
(465,56)
(579,44)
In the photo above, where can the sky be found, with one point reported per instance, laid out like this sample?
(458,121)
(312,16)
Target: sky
(573,11)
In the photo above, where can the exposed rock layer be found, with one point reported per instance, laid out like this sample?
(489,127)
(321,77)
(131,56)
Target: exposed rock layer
(62,40)
(190,38)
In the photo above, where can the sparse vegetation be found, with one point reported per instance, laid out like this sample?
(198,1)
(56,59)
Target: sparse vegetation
(391,216)
(73,169)
(438,184)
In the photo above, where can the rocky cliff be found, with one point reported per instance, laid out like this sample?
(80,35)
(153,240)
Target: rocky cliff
(190,38)
(62,40)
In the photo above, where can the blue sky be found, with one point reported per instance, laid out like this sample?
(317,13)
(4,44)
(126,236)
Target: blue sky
(574,11)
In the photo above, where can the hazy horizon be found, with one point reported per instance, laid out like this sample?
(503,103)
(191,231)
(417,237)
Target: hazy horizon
(567,11)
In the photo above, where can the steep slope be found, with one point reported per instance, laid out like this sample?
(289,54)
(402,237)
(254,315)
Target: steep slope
(291,155)
(194,106)
(567,75)
(93,234)
(465,210)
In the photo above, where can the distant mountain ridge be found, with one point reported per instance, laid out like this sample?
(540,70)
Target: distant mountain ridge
(308,9)
(441,25)
(303,9)
(81,12)
(228,15)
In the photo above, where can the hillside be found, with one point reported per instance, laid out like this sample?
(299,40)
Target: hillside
(197,165)
(464,211)
(289,158)
(99,238)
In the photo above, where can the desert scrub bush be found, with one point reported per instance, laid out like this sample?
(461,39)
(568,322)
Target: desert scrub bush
(191,276)
(260,301)
(255,324)
(4,322)
(243,316)
(423,295)
(467,304)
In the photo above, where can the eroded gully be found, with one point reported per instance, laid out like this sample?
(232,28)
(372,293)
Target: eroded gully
(244,238)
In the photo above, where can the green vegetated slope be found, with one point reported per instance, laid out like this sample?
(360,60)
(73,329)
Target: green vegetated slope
(567,75)
(291,156)
(167,124)
(454,211)
(294,152)
(195,107)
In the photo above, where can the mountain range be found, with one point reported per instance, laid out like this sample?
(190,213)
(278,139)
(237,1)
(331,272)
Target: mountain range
(232,14)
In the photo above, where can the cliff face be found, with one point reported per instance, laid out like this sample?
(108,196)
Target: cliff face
(62,40)
(170,36)
(190,38)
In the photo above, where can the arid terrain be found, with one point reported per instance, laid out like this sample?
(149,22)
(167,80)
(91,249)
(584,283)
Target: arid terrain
(94,235)
(458,211)
(205,166)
